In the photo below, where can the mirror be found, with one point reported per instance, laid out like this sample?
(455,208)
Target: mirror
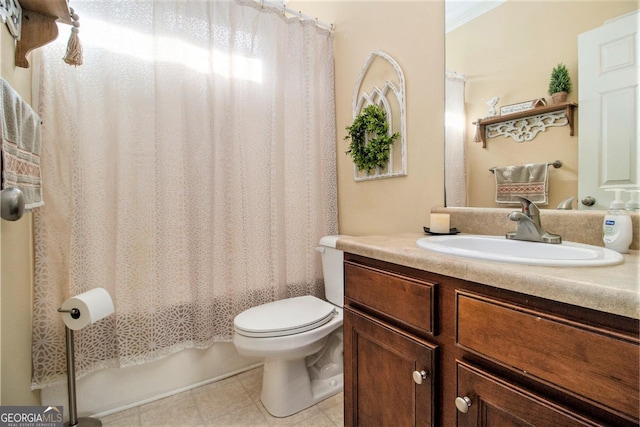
(508,50)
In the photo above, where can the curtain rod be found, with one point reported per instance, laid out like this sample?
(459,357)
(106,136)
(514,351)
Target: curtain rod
(303,17)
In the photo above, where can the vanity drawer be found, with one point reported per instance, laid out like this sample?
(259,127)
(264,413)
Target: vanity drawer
(410,301)
(592,363)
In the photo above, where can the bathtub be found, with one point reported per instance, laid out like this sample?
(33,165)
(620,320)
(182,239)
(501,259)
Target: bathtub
(111,390)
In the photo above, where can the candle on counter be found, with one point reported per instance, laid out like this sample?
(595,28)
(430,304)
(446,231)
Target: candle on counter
(439,223)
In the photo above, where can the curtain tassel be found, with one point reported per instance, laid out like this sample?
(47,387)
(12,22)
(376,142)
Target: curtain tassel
(74,48)
(477,137)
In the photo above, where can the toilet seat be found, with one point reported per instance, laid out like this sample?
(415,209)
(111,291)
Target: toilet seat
(284,317)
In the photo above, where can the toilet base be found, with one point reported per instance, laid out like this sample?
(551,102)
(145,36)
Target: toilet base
(287,387)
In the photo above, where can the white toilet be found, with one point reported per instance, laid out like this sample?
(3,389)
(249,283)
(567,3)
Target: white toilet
(300,339)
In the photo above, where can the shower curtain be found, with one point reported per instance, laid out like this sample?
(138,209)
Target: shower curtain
(188,169)
(455,175)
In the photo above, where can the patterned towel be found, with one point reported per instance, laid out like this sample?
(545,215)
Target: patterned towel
(21,138)
(530,181)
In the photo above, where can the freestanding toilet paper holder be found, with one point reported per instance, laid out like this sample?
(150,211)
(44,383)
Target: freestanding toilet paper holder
(96,304)
(71,379)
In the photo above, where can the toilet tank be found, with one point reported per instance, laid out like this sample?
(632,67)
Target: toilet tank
(332,269)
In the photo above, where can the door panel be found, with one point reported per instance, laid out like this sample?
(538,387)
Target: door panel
(608,110)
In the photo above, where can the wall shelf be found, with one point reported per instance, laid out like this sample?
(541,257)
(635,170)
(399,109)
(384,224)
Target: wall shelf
(39,25)
(525,125)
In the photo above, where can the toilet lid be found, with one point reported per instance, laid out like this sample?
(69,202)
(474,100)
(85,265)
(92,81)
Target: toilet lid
(285,317)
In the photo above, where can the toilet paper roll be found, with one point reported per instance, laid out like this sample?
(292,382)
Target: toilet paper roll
(94,305)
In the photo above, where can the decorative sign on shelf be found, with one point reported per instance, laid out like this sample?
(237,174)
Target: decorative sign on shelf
(522,106)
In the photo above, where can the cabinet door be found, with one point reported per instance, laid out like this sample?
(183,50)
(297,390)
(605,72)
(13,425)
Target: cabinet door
(388,374)
(485,400)
(600,367)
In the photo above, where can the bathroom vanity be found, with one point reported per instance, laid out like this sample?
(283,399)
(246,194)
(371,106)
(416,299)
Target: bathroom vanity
(431,339)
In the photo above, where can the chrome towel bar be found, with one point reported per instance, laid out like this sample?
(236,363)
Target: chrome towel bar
(557,164)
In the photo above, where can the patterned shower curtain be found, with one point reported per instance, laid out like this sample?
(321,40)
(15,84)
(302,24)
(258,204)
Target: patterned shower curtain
(188,169)
(455,176)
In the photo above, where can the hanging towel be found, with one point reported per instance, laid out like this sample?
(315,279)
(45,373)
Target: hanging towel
(21,139)
(530,181)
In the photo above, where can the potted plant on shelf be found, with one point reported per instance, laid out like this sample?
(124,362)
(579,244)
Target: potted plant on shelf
(560,83)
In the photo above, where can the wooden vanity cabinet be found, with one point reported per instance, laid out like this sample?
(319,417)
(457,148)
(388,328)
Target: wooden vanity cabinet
(483,356)
(502,404)
(389,370)
(385,366)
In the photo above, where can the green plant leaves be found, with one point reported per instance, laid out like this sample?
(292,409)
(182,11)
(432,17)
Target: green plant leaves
(370,139)
(560,80)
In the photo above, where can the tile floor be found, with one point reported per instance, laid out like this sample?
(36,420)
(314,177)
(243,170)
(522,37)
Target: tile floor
(234,401)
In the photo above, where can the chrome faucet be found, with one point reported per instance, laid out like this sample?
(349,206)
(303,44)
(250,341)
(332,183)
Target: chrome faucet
(529,227)
(566,204)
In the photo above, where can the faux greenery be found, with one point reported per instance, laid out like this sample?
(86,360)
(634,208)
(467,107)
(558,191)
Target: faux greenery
(560,80)
(370,139)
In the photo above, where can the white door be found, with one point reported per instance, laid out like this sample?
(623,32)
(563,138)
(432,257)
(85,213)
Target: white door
(608,110)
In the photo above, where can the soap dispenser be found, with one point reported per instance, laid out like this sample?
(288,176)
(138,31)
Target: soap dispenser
(633,204)
(616,229)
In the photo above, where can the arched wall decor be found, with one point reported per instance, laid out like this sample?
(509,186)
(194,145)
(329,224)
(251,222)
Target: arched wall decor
(391,94)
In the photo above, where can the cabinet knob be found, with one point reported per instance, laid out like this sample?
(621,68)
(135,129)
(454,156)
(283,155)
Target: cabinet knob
(419,376)
(463,404)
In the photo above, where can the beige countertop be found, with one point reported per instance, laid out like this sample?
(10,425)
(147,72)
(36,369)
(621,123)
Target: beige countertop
(612,289)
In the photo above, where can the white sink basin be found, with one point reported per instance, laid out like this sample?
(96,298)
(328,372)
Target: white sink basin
(499,248)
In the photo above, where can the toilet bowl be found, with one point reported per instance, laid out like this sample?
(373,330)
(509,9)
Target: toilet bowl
(300,340)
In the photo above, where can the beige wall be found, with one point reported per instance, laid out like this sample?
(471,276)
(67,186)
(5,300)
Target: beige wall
(412,33)
(16,272)
(510,52)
